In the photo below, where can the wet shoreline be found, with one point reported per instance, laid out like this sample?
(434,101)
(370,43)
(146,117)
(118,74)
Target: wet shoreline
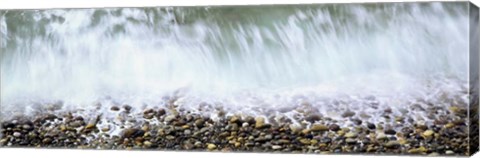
(170,128)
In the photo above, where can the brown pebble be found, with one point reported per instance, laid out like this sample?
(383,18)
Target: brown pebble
(161,112)
(388,110)
(132,133)
(318,128)
(392,144)
(334,127)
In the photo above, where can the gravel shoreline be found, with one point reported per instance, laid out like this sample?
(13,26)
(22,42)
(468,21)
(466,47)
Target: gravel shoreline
(171,128)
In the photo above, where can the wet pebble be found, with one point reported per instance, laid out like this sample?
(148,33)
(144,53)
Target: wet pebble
(351,135)
(348,114)
(132,133)
(393,144)
(115,108)
(276,147)
(313,118)
(334,127)
(318,128)
(17,134)
(371,126)
(390,132)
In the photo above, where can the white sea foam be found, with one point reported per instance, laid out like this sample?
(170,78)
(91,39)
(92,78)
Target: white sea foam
(243,59)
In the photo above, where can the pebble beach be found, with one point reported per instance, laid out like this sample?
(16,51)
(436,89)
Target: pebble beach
(174,128)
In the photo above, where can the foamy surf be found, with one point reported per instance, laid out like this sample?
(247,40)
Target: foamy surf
(379,78)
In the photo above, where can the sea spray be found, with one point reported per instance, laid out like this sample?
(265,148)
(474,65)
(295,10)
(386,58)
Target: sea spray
(241,58)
